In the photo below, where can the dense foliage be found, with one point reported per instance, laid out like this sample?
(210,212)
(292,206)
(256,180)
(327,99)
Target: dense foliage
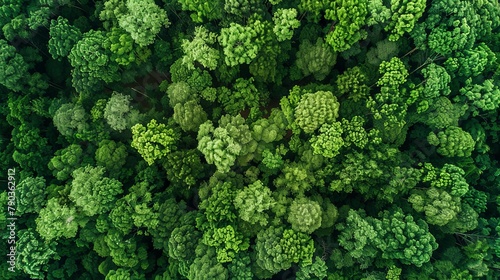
(245,139)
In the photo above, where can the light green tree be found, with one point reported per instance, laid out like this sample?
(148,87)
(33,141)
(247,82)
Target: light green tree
(285,21)
(143,20)
(316,109)
(305,215)
(199,49)
(154,141)
(92,192)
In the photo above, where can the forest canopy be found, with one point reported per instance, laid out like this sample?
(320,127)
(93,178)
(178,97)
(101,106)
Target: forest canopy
(245,139)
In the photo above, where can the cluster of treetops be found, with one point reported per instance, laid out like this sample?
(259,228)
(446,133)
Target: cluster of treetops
(247,139)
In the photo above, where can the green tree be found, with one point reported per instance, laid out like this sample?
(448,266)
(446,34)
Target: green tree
(121,273)
(354,132)
(31,195)
(240,44)
(473,62)
(316,109)
(179,93)
(378,12)
(12,67)
(317,270)
(29,148)
(154,141)
(33,254)
(243,96)
(70,119)
(124,50)
(442,113)
(125,251)
(329,140)
(63,37)
(383,50)
(296,178)
(285,20)
(405,15)
(277,248)
(143,20)
(169,213)
(403,238)
(184,168)
(305,215)
(481,97)
(242,8)
(111,11)
(205,265)
(9,9)
(357,236)
(226,240)
(317,59)
(91,63)
(315,8)
(118,112)
(199,50)
(92,192)
(350,16)
(202,10)
(230,141)
(181,244)
(57,220)
(353,82)
(453,141)
(111,155)
(189,115)
(252,202)
(438,205)
(65,161)
(240,267)
(270,129)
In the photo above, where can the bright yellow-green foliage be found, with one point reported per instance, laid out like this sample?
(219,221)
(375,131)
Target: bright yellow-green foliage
(239,43)
(123,47)
(405,14)
(285,21)
(154,141)
(349,17)
(329,140)
(198,50)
